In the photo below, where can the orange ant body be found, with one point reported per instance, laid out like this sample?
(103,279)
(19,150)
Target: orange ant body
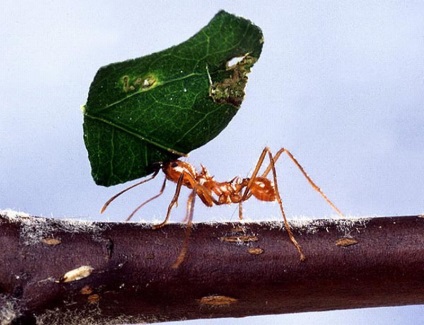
(212,192)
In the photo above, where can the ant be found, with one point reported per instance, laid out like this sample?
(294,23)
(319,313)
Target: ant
(212,192)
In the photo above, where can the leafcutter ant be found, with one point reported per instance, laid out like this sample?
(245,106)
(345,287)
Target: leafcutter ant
(211,192)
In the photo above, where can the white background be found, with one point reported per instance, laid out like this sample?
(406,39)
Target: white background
(339,83)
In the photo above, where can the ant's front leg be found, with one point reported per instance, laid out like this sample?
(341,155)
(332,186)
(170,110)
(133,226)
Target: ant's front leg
(240,210)
(305,174)
(189,219)
(173,202)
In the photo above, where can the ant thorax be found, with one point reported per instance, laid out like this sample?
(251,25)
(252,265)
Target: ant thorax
(226,192)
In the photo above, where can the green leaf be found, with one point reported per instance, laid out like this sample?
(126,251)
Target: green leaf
(161,106)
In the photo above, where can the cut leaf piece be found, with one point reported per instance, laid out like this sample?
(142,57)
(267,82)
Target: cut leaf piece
(161,106)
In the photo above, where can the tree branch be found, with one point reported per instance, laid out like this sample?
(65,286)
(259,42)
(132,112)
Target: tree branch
(231,269)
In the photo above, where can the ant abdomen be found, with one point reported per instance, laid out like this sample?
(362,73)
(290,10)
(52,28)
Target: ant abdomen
(263,189)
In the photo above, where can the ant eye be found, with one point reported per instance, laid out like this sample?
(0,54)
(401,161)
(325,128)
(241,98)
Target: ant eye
(174,164)
(157,165)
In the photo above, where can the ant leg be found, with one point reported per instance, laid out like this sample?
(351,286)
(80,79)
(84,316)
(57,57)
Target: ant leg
(173,202)
(280,203)
(247,194)
(145,202)
(240,210)
(127,189)
(189,228)
(258,166)
(308,178)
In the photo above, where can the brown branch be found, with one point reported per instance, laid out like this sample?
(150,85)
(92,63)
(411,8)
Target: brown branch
(231,269)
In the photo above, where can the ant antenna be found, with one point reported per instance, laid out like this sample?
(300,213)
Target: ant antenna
(147,201)
(127,189)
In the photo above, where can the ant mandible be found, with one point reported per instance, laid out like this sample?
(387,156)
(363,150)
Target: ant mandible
(212,192)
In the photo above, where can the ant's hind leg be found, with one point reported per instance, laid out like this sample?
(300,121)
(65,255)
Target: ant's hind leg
(280,203)
(258,166)
(305,174)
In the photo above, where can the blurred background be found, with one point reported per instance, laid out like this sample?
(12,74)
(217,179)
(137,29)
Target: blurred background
(340,84)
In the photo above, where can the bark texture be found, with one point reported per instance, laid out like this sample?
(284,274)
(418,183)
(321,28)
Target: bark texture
(121,272)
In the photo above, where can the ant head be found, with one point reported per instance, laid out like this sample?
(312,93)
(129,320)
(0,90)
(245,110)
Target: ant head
(174,169)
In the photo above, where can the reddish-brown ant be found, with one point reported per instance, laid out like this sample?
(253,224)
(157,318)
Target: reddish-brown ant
(212,192)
